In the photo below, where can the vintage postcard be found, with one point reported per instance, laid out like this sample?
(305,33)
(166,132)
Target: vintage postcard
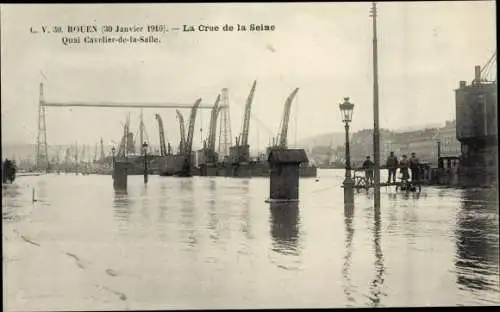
(249,155)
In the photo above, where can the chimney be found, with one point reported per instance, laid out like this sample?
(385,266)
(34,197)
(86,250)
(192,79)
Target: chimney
(477,73)
(462,84)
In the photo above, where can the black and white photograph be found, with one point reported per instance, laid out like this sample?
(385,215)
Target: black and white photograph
(180,156)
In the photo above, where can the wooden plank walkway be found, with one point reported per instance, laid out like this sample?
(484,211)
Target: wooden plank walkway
(381,184)
(399,186)
(360,182)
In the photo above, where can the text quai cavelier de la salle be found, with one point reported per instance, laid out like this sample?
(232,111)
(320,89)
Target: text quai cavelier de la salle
(91,34)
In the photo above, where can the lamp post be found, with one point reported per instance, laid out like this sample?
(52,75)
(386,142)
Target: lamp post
(439,151)
(145,153)
(346,109)
(113,162)
(113,153)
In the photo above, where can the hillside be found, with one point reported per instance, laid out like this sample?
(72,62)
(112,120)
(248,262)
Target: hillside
(322,140)
(18,150)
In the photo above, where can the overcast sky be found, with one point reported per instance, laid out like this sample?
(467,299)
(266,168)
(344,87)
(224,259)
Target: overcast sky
(325,49)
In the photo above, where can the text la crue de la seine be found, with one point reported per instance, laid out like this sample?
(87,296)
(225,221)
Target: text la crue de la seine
(78,34)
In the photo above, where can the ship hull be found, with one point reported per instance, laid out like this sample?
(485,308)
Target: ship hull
(249,170)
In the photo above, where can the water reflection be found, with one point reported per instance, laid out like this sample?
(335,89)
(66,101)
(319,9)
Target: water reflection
(346,267)
(285,228)
(416,195)
(406,195)
(377,283)
(186,184)
(246,226)
(145,203)
(121,208)
(41,190)
(477,258)
(11,203)
(162,202)
(213,218)
(376,200)
(188,211)
(162,208)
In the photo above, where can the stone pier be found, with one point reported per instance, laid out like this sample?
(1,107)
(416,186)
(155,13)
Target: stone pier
(476,115)
(284,173)
(120,175)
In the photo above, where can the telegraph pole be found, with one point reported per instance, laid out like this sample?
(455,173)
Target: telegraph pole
(376,134)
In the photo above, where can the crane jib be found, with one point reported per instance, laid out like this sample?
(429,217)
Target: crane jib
(246,118)
(282,136)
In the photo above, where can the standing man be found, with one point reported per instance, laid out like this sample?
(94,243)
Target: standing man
(368,165)
(392,165)
(403,168)
(414,167)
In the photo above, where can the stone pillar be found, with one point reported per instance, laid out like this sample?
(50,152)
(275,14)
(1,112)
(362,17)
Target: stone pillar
(120,174)
(285,173)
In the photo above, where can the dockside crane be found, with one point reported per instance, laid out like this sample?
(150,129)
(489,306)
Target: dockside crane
(84,153)
(210,154)
(186,145)
(163,147)
(282,138)
(192,120)
(488,68)
(102,156)
(76,158)
(123,142)
(241,152)
(182,132)
(67,156)
(67,159)
(83,160)
(95,154)
(143,137)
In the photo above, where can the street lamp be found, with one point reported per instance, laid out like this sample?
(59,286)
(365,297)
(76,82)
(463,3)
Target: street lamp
(113,162)
(113,153)
(346,109)
(439,152)
(145,152)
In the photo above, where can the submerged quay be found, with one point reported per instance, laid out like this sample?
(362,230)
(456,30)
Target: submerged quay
(210,242)
(383,195)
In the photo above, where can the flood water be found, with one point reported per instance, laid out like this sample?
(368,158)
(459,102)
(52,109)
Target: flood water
(214,243)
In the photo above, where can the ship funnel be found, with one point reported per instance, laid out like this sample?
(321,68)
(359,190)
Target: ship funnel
(477,74)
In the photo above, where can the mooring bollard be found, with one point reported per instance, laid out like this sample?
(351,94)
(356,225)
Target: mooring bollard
(120,174)
(284,173)
(33,199)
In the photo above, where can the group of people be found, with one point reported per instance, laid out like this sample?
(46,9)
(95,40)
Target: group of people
(405,165)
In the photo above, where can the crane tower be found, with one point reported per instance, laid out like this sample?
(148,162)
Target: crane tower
(42,158)
(225,125)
